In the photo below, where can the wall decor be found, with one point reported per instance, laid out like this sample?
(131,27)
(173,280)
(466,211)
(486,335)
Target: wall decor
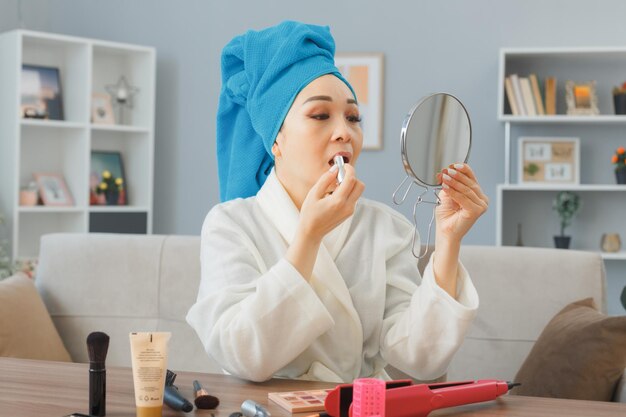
(107,182)
(548,160)
(41,95)
(53,190)
(122,95)
(365,71)
(581,98)
(101,109)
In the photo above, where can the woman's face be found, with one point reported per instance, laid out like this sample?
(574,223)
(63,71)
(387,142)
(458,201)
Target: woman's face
(323,121)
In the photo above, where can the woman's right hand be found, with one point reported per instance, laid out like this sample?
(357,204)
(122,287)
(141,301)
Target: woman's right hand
(328,204)
(324,208)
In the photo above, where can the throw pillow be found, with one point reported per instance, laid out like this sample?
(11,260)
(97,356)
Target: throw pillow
(581,354)
(26,329)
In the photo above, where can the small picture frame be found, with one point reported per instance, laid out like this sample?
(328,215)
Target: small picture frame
(549,160)
(364,71)
(581,98)
(115,194)
(41,95)
(101,109)
(53,190)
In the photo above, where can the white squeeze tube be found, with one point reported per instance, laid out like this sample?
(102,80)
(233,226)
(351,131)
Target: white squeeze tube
(149,354)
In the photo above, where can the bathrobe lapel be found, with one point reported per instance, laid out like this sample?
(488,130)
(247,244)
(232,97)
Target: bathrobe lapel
(326,280)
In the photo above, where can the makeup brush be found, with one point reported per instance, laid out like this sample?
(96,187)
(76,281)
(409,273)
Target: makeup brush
(172,397)
(203,400)
(97,347)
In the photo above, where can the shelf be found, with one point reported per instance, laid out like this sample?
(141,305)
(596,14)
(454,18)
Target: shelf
(560,187)
(120,128)
(564,119)
(64,147)
(616,256)
(117,209)
(47,209)
(64,124)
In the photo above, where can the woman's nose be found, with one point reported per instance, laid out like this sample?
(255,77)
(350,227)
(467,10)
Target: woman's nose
(342,132)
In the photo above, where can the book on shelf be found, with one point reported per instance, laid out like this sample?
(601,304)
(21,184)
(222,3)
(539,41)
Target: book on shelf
(527,96)
(517,92)
(550,86)
(510,95)
(534,83)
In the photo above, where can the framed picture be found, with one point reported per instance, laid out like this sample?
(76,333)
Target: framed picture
(41,93)
(581,98)
(101,109)
(364,71)
(107,168)
(53,190)
(549,160)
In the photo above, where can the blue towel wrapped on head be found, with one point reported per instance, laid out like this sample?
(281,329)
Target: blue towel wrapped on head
(262,73)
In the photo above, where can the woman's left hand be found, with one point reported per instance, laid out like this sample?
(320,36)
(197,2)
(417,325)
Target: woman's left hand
(462,202)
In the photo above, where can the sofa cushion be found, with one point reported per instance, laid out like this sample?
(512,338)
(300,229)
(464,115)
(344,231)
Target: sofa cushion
(581,354)
(26,330)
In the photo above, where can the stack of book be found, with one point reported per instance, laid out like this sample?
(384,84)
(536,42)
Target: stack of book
(524,95)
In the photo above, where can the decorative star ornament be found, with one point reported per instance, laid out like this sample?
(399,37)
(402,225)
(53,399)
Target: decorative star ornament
(122,94)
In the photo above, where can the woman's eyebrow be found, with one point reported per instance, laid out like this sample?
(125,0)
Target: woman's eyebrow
(324,98)
(328,98)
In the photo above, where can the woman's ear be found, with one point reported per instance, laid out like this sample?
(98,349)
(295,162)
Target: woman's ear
(276,148)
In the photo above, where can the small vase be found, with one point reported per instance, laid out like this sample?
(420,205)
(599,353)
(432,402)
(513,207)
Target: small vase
(620,176)
(562,242)
(112,198)
(619,100)
(610,242)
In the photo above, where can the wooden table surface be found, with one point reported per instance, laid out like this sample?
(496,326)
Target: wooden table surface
(54,389)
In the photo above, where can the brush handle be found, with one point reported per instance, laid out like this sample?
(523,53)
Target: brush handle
(196,386)
(97,392)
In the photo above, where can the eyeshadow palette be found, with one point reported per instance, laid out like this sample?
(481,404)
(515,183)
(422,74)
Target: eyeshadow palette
(300,401)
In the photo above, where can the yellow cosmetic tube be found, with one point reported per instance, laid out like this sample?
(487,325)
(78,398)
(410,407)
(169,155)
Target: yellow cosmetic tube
(149,354)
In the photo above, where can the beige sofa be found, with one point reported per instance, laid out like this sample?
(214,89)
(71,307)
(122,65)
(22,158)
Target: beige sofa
(123,283)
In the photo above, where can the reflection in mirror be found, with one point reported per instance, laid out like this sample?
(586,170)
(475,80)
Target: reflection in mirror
(436,133)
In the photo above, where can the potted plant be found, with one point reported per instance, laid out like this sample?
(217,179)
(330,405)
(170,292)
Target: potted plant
(619,99)
(111,188)
(619,159)
(566,205)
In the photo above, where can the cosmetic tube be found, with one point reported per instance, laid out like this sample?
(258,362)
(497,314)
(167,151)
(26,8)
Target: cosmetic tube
(341,171)
(149,358)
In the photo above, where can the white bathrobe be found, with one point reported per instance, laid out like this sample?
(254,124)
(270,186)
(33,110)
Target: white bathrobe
(363,308)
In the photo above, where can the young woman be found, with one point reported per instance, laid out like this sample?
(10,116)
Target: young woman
(302,278)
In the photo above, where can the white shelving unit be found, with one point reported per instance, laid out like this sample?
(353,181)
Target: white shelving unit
(27,146)
(603,201)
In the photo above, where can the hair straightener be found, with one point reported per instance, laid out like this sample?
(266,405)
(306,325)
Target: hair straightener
(405,399)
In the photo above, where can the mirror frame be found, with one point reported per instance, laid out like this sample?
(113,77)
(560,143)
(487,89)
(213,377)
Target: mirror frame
(405,125)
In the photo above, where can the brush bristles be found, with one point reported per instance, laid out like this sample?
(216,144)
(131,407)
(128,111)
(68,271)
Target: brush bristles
(206,402)
(97,346)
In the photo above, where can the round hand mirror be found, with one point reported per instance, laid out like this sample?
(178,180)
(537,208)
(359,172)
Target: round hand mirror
(435,134)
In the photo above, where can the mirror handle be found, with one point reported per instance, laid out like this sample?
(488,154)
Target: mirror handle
(397,203)
(430,225)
